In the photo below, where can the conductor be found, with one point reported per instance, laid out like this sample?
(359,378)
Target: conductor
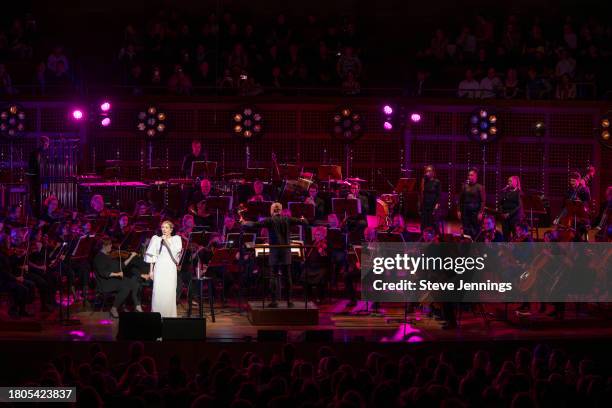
(279,228)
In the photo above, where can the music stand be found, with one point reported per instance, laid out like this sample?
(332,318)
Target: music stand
(405,185)
(302,210)
(219,206)
(289,171)
(206,169)
(346,207)
(257,209)
(533,205)
(389,237)
(234,237)
(257,173)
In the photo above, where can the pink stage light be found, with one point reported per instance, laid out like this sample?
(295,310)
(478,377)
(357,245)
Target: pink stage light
(77,114)
(105,122)
(388,125)
(415,117)
(105,106)
(387,110)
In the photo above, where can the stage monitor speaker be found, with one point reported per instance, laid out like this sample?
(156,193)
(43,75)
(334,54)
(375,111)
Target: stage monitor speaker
(139,326)
(183,328)
(279,336)
(318,336)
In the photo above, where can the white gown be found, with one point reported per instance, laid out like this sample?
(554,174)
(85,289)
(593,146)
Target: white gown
(164,274)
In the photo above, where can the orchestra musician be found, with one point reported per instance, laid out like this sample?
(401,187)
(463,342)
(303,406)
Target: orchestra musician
(511,206)
(279,230)
(97,207)
(14,285)
(577,192)
(429,200)
(314,199)
(259,195)
(606,210)
(196,155)
(521,233)
(356,193)
(37,165)
(121,229)
(471,204)
(110,278)
(489,233)
(52,212)
(316,264)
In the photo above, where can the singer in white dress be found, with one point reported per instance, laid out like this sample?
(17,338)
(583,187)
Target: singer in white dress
(163,254)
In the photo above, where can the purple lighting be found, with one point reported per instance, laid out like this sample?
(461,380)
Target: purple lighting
(388,125)
(415,117)
(105,122)
(105,107)
(387,110)
(77,114)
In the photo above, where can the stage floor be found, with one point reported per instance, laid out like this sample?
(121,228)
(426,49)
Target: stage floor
(356,324)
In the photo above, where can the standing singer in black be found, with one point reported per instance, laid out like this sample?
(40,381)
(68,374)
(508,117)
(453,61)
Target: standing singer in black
(429,199)
(471,204)
(37,165)
(511,206)
(279,233)
(196,155)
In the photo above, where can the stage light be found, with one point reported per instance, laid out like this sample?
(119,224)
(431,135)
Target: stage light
(388,126)
(77,114)
(152,122)
(387,110)
(603,131)
(105,106)
(105,122)
(539,128)
(247,123)
(415,117)
(12,121)
(388,119)
(483,125)
(348,124)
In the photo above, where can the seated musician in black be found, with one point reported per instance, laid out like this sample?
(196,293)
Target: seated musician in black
(606,211)
(110,278)
(14,286)
(314,199)
(97,207)
(356,192)
(121,229)
(230,226)
(38,273)
(489,233)
(279,233)
(198,205)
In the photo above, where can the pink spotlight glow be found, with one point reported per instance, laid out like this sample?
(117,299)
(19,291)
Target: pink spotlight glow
(105,122)
(77,333)
(106,322)
(77,114)
(387,110)
(388,125)
(415,117)
(105,107)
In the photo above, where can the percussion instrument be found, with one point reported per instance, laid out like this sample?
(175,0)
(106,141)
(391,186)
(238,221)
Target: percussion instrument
(382,214)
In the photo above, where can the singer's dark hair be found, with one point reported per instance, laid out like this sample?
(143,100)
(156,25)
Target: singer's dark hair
(474,169)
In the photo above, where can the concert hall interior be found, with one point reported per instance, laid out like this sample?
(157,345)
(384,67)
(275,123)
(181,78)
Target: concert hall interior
(191,195)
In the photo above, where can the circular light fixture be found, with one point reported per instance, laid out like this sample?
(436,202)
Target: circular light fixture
(152,122)
(12,120)
(247,123)
(483,126)
(348,127)
(602,132)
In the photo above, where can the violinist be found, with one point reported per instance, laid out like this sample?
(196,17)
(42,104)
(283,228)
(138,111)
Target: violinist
(230,225)
(398,226)
(314,199)
(511,206)
(14,285)
(110,278)
(17,261)
(121,229)
(97,207)
(521,233)
(38,272)
(489,233)
(353,272)
(316,264)
(429,200)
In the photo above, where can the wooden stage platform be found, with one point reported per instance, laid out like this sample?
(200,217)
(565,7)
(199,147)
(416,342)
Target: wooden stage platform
(356,324)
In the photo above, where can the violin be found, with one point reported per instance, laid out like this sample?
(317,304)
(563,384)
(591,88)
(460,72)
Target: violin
(120,253)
